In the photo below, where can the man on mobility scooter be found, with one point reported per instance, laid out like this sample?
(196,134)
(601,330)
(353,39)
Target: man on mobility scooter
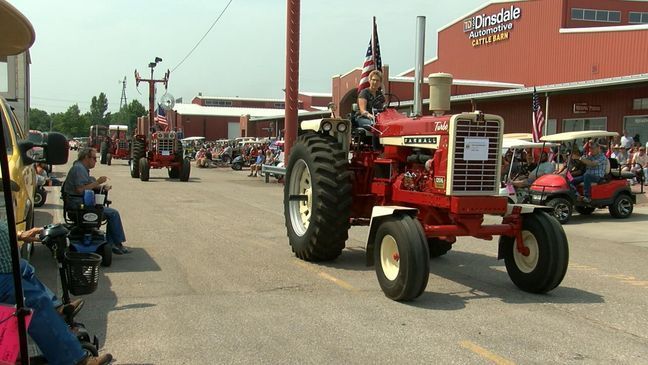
(47,327)
(78,180)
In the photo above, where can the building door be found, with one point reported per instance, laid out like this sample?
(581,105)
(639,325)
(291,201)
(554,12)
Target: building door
(585,124)
(551,126)
(233,130)
(636,125)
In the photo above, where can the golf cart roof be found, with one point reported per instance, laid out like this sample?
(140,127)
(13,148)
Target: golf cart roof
(17,32)
(121,127)
(570,136)
(522,136)
(192,139)
(520,143)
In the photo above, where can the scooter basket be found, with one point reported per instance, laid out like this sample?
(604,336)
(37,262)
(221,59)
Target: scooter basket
(82,272)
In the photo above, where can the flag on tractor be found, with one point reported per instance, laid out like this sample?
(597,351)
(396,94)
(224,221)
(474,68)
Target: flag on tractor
(372,59)
(160,116)
(538,118)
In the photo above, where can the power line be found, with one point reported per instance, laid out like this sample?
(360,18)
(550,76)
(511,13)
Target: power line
(60,100)
(203,37)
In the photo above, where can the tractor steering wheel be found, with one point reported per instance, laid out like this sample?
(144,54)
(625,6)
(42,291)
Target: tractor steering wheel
(390,98)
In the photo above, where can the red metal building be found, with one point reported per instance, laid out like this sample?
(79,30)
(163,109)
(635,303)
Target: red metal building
(586,58)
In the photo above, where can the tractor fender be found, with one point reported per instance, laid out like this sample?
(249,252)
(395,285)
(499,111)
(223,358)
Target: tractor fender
(378,214)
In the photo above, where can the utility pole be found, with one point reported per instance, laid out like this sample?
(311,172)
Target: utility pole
(123,103)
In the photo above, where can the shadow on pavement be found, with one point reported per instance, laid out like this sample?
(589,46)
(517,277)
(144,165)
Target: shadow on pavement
(603,216)
(353,259)
(138,260)
(42,218)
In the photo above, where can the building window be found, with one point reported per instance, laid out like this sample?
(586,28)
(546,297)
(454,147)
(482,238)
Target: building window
(213,102)
(593,15)
(280,105)
(585,124)
(637,125)
(637,18)
(640,104)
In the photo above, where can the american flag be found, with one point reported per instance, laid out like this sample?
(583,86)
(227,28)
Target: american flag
(160,116)
(538,118)
(372,59)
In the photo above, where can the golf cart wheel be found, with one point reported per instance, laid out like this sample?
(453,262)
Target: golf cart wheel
(401,257)
(144,169)
(545,265)
(561,209)
(317,198)
(585,210)
(438,247)
(40,196)
(106,254)
(109,159)
(621,207)
(185,170)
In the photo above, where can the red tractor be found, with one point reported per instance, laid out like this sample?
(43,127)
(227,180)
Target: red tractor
(156,150)
(116,145)
(157,146)
(98,136)
(418,183)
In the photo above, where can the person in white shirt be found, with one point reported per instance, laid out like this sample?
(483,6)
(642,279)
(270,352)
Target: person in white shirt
(626,140)
(640,162)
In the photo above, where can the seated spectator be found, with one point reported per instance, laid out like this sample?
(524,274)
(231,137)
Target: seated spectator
(574,166)
(640,164)
(256,166)
(77,181)
(201,158)
(544,167)
(47,328)
(595,164)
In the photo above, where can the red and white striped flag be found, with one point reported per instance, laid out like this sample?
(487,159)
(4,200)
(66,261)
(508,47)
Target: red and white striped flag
(538,118)
(372,59)
(160,117)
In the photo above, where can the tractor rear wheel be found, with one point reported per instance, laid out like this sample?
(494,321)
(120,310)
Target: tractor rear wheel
(545,265)
(561,209)
(137,152)
(317,198)
(438,247)
(103,150)
(401,257)
(621,207)
(185,169)
(144,169)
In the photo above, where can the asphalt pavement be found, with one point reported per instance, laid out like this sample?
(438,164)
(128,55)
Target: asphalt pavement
(212,280)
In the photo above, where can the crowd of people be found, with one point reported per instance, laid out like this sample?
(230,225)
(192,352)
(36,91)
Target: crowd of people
(254,154)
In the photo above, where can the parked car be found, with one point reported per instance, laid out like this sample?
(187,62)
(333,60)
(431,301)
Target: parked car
(24,175)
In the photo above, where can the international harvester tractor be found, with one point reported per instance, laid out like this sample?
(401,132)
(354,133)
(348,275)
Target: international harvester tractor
(418,183)
(157,146)
(116,145)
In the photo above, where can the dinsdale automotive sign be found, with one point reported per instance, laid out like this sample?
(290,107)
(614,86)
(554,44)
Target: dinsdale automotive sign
(485,29)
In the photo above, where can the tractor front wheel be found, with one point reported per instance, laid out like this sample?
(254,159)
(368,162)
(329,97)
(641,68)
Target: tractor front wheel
(317,198)
(109,159)
(144,169)
(544,264)
(174,172)
(401,257)
(185,170)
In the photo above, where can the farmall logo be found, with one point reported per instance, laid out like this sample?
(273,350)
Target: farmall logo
(486,29)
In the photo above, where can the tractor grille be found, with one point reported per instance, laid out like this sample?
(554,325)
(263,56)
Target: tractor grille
(476,177)
(166,144)
(122,144)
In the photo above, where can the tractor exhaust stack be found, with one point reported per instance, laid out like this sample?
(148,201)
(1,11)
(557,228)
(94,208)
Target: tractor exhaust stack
(418,66)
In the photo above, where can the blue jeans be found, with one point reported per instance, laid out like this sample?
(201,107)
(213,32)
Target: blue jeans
(47,328)
(587,180)
(114,230)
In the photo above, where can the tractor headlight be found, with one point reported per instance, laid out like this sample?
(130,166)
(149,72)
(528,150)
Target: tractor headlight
(172,135)
(341,127)
(327,126)
(161,135)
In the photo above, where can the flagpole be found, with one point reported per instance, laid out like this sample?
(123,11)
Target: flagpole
(546,124)
(373,41)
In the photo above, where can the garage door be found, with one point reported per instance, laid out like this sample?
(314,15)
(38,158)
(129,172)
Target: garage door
(233,130)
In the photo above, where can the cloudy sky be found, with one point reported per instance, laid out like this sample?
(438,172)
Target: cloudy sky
(83,48)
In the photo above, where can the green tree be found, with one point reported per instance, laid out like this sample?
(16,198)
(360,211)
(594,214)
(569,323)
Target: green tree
(135,109)
(71,123)
(39,119)
(98,108)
